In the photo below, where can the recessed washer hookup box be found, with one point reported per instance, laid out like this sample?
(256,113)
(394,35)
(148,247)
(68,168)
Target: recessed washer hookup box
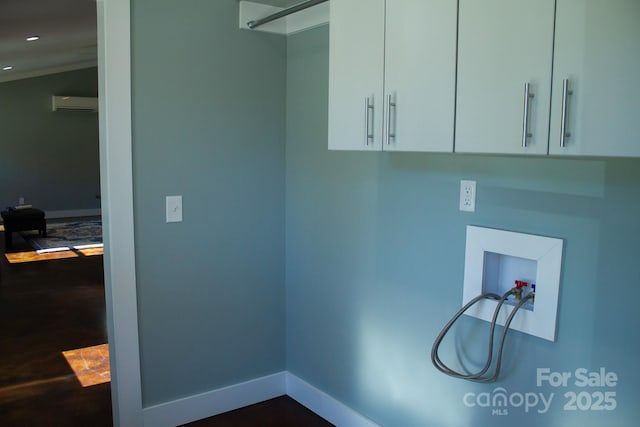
(498,260)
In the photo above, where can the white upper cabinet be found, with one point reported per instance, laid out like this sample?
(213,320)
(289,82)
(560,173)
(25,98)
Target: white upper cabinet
(534,77)
(419,79)
(392,75)
(595,78)
(356,66)
(505,50)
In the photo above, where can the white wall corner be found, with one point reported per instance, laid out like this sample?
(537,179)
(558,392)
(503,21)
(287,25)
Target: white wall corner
(324,405)
(208,404)
(303,20)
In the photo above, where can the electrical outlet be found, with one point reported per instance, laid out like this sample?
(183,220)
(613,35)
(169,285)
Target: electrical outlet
(468,196)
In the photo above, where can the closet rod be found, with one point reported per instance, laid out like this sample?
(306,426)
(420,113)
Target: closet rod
(288,11)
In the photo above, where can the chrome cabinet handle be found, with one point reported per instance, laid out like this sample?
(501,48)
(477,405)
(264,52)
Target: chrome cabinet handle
(525,119)
(564,134)
(368,110)
(390,135)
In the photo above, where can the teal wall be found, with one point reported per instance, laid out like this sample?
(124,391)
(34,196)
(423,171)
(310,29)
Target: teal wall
(208,123)
(374,242)
(374,267)
(49,158)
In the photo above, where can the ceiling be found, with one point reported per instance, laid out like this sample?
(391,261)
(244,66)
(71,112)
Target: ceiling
(67,30)
(68,36)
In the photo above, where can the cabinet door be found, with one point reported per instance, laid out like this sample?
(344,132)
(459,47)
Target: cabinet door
(356,67)
(502,45)
(597,53)
(420,46)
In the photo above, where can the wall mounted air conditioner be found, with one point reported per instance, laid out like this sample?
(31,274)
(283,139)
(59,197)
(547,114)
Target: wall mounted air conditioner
(74,103)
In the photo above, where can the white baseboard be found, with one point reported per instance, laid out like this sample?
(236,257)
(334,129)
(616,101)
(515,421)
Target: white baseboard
(214,402)
(193,408)
(73,213)
(324,405)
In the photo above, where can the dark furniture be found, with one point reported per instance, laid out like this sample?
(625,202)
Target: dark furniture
(23,220)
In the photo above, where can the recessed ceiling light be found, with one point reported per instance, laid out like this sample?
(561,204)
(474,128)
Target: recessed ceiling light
(33,38)
(7,68)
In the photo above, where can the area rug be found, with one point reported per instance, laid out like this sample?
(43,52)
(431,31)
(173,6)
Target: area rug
(65,236)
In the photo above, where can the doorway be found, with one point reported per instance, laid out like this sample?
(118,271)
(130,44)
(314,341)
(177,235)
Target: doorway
(54,309)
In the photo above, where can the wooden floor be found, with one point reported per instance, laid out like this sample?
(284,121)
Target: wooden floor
(279,412)
(51,306)
(46,308)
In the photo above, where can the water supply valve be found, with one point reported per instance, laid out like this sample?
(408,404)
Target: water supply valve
(520,285)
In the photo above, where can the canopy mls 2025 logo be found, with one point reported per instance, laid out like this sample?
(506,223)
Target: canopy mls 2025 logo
(578,390)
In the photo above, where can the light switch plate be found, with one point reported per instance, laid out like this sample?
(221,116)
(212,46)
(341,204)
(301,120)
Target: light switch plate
(174,208)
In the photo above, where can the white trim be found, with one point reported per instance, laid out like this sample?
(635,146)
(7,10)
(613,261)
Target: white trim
(215,402)
(208,404)
(303,20)
(324,405)
(46,71)
(73,213)
(116,182)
